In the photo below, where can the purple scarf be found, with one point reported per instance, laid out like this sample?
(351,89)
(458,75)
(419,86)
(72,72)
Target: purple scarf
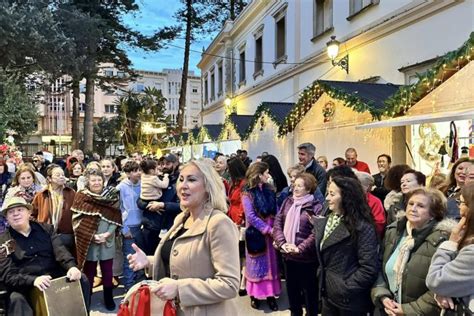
(292,221)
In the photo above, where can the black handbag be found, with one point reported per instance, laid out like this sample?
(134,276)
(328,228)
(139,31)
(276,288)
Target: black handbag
(255,241)
(460,309)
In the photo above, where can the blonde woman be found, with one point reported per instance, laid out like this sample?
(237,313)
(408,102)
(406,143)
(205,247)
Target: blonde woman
(197,261)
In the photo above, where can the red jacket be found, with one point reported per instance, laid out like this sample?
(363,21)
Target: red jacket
(361,166)
(234,194)
(378,213)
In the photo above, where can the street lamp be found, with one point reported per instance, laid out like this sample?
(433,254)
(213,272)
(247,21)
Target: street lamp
(333,51)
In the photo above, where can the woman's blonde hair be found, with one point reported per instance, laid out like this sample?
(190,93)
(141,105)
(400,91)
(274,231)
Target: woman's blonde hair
(93,165)
(26,167)
(213,183)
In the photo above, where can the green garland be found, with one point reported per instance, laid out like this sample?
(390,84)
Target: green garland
(263,108)
(407,96)
(312,93)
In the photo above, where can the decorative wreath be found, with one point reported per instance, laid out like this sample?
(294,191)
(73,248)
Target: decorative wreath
(430,142)
(329,109)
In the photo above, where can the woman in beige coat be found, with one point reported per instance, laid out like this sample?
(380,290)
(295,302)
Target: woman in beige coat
(197,262)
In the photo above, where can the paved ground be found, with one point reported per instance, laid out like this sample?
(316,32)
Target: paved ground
(97,306)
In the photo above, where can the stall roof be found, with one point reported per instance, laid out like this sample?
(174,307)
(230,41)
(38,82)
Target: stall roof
(372,94)
(241,123)
(214,130)
(279,110)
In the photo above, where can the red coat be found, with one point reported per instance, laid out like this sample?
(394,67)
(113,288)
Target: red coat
(378,213)
(361,166)
(234,194)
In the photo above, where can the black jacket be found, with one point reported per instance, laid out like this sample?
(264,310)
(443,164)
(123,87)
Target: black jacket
(380,190)
(13,278)
(348,267)
(320,174)
(157,221)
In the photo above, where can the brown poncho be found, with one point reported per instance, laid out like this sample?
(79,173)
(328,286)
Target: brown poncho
(88,209)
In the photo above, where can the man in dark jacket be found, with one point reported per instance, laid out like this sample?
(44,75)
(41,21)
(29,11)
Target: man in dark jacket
(383,163)
(159,217)
(31,255)
(306,153)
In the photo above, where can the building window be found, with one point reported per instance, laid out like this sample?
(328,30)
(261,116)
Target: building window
(357,6)
(108,73)
(411,71)
(82,107)
(121,74)
(322,17)
(110,108)
(258,56)
(280,39)
(206,93)
(242,66)
(195,90)
(213,86)
(220,73)
(169,87)
(140,87)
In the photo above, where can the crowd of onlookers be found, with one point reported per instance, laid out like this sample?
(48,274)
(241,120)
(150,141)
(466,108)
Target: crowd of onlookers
(347,242)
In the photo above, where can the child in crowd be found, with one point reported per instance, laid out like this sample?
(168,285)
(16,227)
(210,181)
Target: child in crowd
(131,219)
(151,184)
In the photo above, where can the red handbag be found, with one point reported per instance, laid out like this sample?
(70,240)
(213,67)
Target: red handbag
(139,302)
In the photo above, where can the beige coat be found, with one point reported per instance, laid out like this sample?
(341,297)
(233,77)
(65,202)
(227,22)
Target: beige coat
(205,261)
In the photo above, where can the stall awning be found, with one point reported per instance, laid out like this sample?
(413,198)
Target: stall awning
(422,118)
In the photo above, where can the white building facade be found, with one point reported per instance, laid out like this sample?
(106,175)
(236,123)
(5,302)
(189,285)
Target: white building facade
(276,48)
(55,121)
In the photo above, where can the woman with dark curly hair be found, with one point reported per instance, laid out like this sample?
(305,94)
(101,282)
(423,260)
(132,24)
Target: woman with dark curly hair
(392,182)
(347,248)
(278,176)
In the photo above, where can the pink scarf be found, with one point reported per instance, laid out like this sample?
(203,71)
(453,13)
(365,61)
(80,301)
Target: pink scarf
(292,221)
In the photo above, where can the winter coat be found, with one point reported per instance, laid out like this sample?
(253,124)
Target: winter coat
(236,210)
(18,276)
(42,205)
(451,272)
(304,237)
(417,299)
(348,266)
(156,221)
(320,174)
(205,262)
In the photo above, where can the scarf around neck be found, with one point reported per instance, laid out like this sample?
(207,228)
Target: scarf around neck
(57,201)
(403,255)
(292,220)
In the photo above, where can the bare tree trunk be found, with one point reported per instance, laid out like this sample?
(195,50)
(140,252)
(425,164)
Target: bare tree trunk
(75,113)
(184,77)
(89,115)
(232,10)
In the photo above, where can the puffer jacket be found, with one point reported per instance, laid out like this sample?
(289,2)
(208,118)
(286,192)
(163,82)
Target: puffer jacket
(416,298)
(348,265)
(304,239)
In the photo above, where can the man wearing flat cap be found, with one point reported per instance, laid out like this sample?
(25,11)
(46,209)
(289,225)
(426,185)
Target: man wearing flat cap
(31,255)
(159,216)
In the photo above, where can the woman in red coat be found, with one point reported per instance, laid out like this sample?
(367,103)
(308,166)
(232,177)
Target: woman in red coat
(237,170)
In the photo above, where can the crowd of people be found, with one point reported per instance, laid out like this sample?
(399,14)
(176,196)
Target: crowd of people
(345,242)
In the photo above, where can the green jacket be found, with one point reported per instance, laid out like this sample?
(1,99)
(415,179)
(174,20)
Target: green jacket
(416,298)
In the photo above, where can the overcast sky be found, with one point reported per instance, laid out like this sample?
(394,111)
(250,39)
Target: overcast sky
(153,15)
